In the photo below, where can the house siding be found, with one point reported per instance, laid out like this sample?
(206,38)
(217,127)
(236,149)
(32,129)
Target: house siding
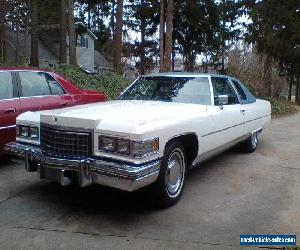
(85,56)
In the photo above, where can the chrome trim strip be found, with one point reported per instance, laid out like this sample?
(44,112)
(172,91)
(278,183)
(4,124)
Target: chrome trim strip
(218,131)
(8,127)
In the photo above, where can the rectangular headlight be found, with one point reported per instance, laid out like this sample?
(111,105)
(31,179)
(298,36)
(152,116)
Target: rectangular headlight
(135,149)
(106,144)
(24,131)
(27,132)
(34,133)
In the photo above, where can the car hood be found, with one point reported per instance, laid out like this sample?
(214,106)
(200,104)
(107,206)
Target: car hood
(123,116)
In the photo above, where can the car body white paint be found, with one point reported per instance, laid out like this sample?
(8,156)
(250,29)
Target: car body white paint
(215,127)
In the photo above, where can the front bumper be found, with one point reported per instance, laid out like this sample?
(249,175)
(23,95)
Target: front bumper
(86,171)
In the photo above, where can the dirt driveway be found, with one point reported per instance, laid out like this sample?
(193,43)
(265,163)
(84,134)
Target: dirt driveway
(230,195)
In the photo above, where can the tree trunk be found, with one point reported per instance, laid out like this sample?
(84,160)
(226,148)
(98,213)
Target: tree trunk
(162,35)
(34,59)
(112,19)
(291,85)
(143,40)
(63,33)
(297,88)
(72,33)
(118,38)
(2,30)
(169,35)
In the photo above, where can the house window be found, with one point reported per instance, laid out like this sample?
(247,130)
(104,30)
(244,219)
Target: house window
(84,42)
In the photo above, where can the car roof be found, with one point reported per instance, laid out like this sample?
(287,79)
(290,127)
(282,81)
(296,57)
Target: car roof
(183,74)
(25,69)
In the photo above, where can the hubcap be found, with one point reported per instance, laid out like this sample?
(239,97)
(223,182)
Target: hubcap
(175,173)
(254,139)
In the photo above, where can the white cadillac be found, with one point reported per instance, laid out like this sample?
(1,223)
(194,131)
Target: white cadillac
(162,125)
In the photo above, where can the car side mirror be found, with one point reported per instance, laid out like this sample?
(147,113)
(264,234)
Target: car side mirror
(223,100)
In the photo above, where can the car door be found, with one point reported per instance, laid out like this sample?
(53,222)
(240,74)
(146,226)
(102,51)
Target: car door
(40,91)
(227,119)
(9,107)
(249,106)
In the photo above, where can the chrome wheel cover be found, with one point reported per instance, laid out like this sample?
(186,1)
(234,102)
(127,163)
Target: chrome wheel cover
(175,173)
(254,139)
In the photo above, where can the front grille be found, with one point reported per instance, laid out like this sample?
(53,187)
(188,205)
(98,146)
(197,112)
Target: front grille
(65,142)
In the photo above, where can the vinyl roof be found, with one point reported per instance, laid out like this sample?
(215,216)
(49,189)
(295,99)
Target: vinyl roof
(183,74)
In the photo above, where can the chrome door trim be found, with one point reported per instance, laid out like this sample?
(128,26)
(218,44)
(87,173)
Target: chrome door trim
(7,127)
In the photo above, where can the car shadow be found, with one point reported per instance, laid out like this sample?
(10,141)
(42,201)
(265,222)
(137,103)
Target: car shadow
(96,199)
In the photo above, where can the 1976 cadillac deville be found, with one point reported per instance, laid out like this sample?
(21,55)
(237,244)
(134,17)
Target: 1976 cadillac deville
(161,125)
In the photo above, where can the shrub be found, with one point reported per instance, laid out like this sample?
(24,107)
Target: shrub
(110,83)
(282,107)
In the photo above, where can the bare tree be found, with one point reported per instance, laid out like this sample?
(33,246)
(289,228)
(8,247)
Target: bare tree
(72,33)
(162,35)
(169,36)
(118,38)
(63,33)
(34,59)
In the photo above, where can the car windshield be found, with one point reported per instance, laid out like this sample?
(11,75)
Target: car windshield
(194,90)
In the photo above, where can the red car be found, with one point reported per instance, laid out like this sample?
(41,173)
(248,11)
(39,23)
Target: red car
(23,89)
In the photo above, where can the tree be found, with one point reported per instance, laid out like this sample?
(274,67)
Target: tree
(169,35)
(166,34)
(72,33)
(142,17)
(63,33)
(2,29)
(34,59)
(118,38)
(162,35)
(275,33)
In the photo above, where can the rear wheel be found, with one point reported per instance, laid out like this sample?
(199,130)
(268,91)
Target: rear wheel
(169,186)
(250,145)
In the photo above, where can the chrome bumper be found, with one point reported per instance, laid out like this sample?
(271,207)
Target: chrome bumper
(86,171)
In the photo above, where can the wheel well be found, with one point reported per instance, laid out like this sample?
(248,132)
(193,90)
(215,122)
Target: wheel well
(190,144)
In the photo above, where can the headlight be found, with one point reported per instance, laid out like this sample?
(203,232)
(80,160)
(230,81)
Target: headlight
(136,149)
(27,132)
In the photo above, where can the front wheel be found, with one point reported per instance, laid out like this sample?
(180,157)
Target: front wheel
(169,186)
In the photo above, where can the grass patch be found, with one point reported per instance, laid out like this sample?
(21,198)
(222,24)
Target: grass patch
(110,83)
(282,107)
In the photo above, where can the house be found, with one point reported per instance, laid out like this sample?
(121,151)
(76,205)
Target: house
(18,49)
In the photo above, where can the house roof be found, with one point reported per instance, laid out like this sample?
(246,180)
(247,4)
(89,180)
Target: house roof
(87,30)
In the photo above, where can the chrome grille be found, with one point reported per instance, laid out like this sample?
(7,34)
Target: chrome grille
(65,142)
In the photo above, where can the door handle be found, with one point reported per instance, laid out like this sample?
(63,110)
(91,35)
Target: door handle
(10,110)
(63,104)
(243,111)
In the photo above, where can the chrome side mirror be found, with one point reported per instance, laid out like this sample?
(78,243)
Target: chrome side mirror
(223,100)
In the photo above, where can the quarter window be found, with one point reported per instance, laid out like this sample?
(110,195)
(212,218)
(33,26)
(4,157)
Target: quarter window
(239,90)
(221,86)
(6,86)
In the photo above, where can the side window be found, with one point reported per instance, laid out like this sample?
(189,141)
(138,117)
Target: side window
(55,87)
(239,90)
(34,84)
(221,86)
(6,86)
